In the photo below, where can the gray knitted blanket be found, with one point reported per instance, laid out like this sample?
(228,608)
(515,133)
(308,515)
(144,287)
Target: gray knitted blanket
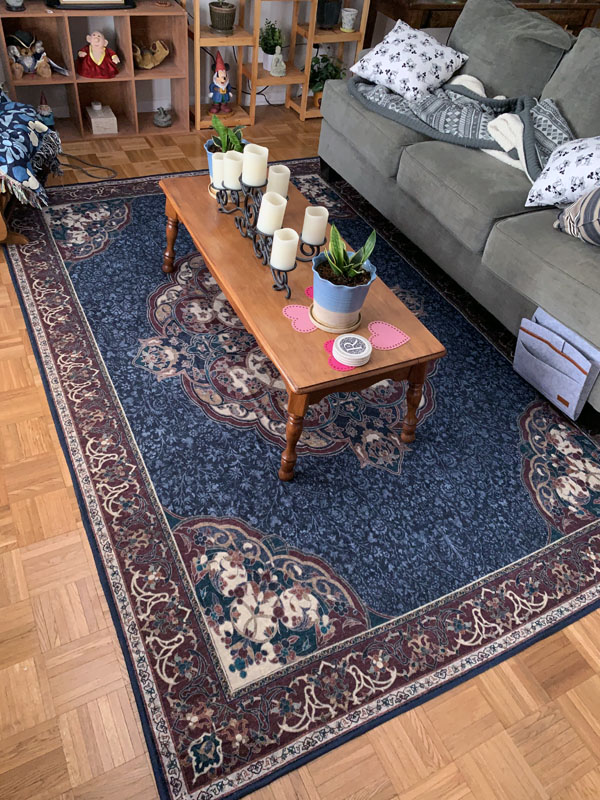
(455,114)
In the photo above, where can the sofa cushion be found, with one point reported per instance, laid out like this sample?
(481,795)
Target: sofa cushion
(575,86)
(380,140)
(557,272)
(512,51)
(464,189)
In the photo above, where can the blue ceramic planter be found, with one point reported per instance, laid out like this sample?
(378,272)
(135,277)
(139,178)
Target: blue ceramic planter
(338,307)
(209,154)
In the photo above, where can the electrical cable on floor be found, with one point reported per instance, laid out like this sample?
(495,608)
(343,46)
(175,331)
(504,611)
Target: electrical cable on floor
(111,173)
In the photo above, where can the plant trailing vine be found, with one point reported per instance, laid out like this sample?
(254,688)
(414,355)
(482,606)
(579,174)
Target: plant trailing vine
(324,68)
(225,139)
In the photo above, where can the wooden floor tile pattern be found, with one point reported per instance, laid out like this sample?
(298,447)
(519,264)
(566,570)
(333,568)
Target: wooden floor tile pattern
(529,729)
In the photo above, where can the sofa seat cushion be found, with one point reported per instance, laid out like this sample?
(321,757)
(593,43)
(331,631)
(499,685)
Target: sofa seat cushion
(557,272)
(380,140)
(464,189)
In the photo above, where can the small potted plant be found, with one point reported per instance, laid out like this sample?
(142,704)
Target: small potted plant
(323,68)
(222,16)
(223,140)
(341,281)
(270,38)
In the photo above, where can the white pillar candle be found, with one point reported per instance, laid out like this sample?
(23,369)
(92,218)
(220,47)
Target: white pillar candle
(283,252)
(254,172)
(315,225)
(270,216)
(217,170)
(232,169)
(279,178)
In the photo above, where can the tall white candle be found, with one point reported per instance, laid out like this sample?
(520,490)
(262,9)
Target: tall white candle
(232,169)
(283,252)
(314,230)
(254,172)
(279,179)
(270,216)
(217,170)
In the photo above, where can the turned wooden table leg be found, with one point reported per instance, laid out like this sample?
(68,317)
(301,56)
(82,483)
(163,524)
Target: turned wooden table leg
(297,405)
(172,229)
(416,379)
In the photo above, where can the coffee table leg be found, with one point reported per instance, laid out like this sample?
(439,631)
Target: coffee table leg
(172,229)
(416,379)
(297,406)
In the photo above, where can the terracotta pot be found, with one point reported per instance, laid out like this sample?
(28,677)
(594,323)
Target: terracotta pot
(317,97)
(222,17)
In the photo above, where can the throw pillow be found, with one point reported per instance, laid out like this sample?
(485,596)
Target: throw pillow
(512,51)
(582,219)
(409,62)
(572,170)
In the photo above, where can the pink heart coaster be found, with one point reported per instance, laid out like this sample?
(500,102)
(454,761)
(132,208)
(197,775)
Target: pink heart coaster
(300,318)
(385,336)
(309,292)
(333,362)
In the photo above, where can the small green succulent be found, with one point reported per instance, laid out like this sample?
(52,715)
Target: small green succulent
(344,265)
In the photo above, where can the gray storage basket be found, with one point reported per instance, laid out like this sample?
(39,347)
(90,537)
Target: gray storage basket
(559,363)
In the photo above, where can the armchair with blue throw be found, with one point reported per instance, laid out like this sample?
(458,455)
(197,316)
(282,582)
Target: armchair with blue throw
(29,151)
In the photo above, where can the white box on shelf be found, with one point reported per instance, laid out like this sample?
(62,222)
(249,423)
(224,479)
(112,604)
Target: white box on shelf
(102,120)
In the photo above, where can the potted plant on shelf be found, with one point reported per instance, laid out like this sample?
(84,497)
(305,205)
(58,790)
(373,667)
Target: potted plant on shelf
(270,38)
(341,281)
(323,68)
(223,140)
(222,16)
(328,13)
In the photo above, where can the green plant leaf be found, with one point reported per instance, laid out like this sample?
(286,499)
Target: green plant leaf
(369,245)
(221,131)
(336,247)
(233,142)
(333,265)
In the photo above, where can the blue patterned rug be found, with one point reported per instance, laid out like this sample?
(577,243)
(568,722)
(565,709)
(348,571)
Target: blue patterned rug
(265,622)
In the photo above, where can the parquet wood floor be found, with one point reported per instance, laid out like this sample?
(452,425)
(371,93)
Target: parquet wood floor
(529,729)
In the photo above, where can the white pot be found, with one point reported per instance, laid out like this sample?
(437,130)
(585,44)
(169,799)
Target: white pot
(267,60)
(348,19)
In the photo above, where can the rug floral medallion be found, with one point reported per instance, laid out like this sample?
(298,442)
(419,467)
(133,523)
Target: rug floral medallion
(264,622)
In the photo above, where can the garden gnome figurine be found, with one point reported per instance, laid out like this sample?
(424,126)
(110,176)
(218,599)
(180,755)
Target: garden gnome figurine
(44,112)
(220,88)
(278,67)
(96,59)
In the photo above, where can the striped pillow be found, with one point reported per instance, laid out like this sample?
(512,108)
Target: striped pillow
(582,218)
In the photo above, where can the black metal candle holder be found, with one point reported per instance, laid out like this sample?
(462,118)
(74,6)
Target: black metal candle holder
(309,251)
(280,278)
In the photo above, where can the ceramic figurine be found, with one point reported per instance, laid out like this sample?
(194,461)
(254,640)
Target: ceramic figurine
(44,112)
(278,68)
(162,118)
(150,57)
(27,55)
(220,88)
(96,59)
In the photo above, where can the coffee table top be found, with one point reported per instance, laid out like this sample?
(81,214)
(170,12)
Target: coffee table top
(300,358)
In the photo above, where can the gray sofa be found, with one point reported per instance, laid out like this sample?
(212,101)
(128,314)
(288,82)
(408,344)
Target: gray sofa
(466,209)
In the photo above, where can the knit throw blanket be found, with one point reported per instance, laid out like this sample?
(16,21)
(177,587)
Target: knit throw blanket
(520,131)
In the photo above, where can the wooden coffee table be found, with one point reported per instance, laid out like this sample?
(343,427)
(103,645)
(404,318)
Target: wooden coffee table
(300,358)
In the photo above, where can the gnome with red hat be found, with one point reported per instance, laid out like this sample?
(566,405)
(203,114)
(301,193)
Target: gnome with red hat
(220,89)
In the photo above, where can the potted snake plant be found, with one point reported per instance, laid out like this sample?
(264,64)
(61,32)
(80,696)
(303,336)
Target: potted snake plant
(341,281)
(223,140)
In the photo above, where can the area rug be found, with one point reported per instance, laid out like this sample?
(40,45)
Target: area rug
(266,622)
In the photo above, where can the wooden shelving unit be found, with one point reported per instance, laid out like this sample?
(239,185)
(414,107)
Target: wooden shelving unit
(254,72)
(145,23)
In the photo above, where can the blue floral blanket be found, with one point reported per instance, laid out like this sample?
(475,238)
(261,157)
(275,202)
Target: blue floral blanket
(28,152)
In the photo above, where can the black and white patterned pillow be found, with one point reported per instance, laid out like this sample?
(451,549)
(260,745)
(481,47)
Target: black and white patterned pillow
(409,62)
(572,170)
